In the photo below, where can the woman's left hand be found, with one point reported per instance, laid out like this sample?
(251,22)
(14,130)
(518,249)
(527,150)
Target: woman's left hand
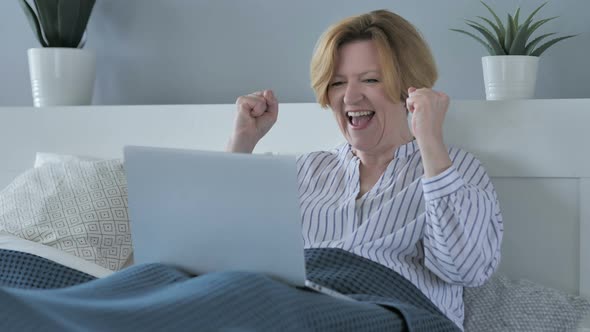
(428,108)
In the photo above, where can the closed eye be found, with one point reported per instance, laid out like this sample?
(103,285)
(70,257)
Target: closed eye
(337,83)
(371,80)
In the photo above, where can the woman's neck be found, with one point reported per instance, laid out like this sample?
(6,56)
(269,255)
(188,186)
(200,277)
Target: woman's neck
(375,160)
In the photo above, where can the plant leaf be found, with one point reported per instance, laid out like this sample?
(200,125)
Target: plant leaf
(530,46)
(486,45)
(481,26)
(48,17)
(490,38)
(536,25)
(74,16)
(83,41)
(509,34)
(498,21)
(520,38)
(528,31)
(33,21)
(512,38)
(548,44)
(530,18)
(499,33)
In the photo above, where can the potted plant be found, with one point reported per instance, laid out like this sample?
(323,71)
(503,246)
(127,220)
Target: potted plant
(510,71)
(62,73)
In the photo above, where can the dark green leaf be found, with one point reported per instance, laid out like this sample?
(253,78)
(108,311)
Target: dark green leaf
(516,18)
(498,21)
(548,44)
(486,45)
(499,33)
(74,16)
(530,46)
(509,34)
(490,38)
(519,42)
(530,18)
(528,30)
(514,26)
(33,21)
(536,25)
(481,26)
(48,17)
(83,41)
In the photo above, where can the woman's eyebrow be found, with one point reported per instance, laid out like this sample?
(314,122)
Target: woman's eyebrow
(359,74)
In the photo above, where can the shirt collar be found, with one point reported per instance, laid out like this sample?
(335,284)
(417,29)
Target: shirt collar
(345,151)
(406,150)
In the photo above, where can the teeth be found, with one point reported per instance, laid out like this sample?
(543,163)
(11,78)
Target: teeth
(354,114)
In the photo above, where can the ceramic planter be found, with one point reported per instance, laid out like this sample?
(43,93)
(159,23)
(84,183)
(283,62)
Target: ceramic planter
(509,76)
(61,76)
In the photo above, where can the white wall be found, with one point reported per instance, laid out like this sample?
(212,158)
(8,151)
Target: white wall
(211,51)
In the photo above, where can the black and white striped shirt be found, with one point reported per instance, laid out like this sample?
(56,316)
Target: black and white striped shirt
(441,233)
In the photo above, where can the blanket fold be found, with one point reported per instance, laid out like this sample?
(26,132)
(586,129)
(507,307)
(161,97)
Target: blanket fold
(156,297)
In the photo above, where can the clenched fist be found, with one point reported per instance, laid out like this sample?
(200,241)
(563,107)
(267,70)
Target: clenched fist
(257,113)
(428,108)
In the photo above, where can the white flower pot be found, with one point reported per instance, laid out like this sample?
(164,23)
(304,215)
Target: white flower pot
(61,76)
(509,76)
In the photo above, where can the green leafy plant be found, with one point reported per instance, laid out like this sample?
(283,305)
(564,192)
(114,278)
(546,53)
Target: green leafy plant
(59,23)
(513,37)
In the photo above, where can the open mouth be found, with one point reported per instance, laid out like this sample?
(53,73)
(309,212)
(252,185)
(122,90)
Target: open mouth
(359,120)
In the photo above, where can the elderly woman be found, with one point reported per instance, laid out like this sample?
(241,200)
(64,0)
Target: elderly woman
(392,219)
(392,194)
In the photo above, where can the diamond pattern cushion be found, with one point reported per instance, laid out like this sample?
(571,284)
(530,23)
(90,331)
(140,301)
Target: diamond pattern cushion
(79,207)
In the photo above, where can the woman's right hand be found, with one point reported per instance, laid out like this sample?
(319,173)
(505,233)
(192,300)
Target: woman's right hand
(257,113)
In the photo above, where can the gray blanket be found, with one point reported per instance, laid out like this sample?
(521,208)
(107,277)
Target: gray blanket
(158,297)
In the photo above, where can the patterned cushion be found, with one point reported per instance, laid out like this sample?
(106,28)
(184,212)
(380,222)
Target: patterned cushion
(521,305)
(79,207)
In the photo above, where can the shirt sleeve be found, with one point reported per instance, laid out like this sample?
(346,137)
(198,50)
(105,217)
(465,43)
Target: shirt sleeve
(464,228)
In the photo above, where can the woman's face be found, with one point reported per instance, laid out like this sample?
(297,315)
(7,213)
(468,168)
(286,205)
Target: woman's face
(369,120)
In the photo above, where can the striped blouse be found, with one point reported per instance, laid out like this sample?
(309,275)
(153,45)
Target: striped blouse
(441,233)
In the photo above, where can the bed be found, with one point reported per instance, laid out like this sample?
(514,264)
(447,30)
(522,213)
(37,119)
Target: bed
(535,151)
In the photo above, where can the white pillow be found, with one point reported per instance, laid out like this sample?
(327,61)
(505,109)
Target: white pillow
(42,158)
(79,207)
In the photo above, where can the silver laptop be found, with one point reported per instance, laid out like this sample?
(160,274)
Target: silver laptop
(206,211)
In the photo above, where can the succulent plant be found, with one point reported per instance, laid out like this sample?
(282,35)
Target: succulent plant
(59,23)
(513,37)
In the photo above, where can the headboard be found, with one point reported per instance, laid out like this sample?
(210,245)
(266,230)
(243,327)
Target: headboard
(535,150)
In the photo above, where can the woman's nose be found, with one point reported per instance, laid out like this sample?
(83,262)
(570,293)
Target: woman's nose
(353,94)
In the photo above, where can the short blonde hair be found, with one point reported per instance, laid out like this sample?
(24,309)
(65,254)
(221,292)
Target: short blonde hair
(405,57)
